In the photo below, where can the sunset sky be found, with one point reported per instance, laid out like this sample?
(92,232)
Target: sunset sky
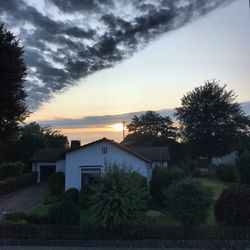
(144,74)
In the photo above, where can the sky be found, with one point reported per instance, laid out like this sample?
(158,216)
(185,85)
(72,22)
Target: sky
(93,64)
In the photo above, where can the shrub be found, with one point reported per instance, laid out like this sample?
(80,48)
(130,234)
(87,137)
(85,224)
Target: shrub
(118,198)
(233,206)
(65,213)
(11,169)
(244,167)
(36,219)
(226,173)
(189,202)
(56,183)
(162,178)
(12,184)
(72,194)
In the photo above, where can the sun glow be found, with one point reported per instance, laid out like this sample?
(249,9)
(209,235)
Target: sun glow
(117,127)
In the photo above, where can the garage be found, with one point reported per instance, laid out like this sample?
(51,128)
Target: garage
(46,171)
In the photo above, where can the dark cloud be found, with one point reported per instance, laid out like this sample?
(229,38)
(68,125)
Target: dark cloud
(82,37)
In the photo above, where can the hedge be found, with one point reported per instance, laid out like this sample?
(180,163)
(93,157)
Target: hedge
(11,169)
(142,232)
(12,184)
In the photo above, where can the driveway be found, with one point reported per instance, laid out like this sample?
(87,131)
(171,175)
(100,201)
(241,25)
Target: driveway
(23,200)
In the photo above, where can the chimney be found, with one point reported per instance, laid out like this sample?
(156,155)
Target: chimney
(75,144)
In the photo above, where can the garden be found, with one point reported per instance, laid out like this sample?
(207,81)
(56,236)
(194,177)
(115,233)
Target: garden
(176,196)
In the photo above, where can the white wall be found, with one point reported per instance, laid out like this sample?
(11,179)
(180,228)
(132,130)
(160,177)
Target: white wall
(92,156)
(60,166)
(227,159)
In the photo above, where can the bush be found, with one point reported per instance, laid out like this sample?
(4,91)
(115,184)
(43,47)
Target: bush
(244,167)
(226,173)
(162,178)
(189,202)
(72,194)
(11,169)
(35,219)
(65,213)
(12,184)
(119,197)
(56,183)
(233,206)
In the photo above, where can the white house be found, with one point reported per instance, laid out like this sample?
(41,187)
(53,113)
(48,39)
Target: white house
(83,162)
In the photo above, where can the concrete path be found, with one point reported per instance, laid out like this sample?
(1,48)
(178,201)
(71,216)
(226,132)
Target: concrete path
(23,200)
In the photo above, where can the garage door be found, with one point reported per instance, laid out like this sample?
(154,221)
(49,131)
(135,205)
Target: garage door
(46,171)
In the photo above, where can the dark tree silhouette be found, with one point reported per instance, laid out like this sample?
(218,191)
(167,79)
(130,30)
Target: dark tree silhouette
(211,120)
(13,109)
(33,136)
(150,128)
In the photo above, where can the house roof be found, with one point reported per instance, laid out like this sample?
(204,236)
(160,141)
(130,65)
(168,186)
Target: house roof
(116,145)
(47,155)
(155,154)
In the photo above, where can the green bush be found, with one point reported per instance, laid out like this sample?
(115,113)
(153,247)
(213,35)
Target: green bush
(12,169)
(189,202)
(56,183)
(226,173)
(244,167)
(65,213)
(233,206)
(72,194)
(162,178)
(118,198)
(12,184)
(35,219)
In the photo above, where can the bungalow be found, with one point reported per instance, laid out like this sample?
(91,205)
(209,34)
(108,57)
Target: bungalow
(81,162)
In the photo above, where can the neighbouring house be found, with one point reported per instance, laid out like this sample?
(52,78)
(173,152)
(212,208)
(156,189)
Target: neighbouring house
(229,159)
(81,163)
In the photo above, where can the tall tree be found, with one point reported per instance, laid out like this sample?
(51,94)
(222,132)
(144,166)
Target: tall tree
(150,128)
(13,109)
(211,120)
(34,136)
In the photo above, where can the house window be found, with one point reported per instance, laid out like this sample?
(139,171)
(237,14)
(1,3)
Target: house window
(90,176)
(104,150)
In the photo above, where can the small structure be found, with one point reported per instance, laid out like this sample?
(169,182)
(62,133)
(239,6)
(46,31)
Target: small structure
(81,163)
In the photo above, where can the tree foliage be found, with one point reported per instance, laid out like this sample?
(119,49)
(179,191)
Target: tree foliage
(118,198)
(211,119)
(33,136)
(13,109)
(150,128)
(189,202)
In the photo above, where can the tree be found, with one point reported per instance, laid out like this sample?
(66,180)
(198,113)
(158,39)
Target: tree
(13,109)
(189,202)
(152,124)
(244,167)
(211,120)
(33,136)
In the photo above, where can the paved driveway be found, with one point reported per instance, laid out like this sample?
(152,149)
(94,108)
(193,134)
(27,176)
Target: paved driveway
(23,200)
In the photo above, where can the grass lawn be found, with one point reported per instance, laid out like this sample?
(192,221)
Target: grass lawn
(217,187)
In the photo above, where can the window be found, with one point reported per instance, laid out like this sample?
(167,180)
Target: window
(104,150)
(90,176)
